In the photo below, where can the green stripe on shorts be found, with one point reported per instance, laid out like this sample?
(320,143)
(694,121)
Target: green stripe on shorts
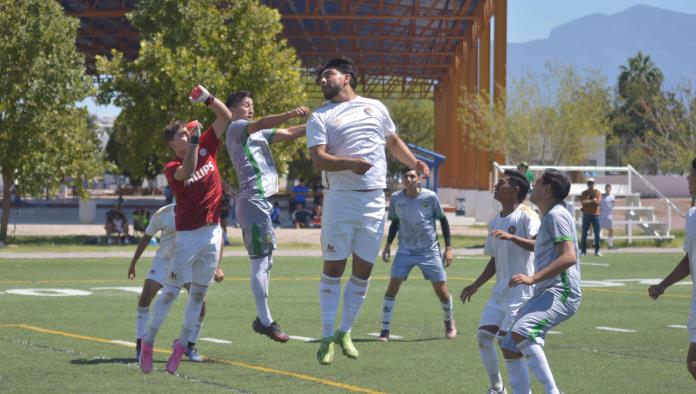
(536,330)
(255,240)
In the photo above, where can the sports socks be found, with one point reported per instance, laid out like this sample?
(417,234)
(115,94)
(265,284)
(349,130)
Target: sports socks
(260,274)
(353,298)
(489,357)
(447,309)
(387,310)
(536,361)
(519,375)
(141,316)
(163,304)
(610,242)
(196,331)
(192,312)
(329,297)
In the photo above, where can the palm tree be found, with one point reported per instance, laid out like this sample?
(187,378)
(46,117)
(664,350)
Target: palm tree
(641,76)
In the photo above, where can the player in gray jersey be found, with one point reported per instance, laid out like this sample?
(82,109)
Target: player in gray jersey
(413,212)
(248,147)
(557,280)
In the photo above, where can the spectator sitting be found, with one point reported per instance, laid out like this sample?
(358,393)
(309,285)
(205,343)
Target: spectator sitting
(141,218)
(275,215)
(301,216)
(316,218)
(299,194)
(116,223)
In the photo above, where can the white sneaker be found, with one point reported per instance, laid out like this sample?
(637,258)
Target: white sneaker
(598,254)
(492,391)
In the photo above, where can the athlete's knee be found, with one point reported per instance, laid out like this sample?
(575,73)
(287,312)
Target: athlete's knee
(170,293)
(442,292)
(485,338)
(197,293)
(517,337)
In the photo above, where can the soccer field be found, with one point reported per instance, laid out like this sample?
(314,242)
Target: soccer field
(620,341)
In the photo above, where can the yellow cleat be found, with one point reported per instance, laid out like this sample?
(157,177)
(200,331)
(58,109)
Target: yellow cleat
(326,351)
(343,340)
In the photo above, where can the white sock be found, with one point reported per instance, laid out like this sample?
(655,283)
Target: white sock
(387,310)
(141,316)
(329,297)
(447,309)
(610,241)
(353,299)
(196,330)
(260,273)
(192,312)
(536,361)
(163,304)
(489,357)
(519,376)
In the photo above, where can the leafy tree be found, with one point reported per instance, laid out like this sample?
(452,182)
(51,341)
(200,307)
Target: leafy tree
(226,46)
(639,93)
(44,139)
(554,118)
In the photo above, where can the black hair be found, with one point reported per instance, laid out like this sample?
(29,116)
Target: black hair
(517,179)
(693,164)
(235,98)
(345,66)
(172,128)
(559,182)
(405,170)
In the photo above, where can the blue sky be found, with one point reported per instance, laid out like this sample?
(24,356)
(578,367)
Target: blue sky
(529,20)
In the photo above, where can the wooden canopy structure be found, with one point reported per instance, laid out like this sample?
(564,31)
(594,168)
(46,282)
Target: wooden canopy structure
(432,49)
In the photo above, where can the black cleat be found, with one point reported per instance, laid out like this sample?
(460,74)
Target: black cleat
(273,331)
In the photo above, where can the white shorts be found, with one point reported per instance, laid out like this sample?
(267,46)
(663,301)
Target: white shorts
(352,222)
(606,223)
(196,251)
(501,314)
(160,268)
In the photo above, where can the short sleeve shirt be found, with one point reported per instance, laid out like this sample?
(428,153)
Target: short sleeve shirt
(163,221)
(198,197)
(252,159)
(417,232)
(356,128)
(606,205)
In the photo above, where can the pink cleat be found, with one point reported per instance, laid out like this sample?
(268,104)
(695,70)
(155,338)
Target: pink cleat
(146,357)
(174,360)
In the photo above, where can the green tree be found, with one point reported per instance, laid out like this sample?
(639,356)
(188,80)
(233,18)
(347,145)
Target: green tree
(638,93)
(225,46)
(44,139)
(554,118)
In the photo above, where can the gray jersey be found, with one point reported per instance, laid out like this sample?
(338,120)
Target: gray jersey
(416,216)
(252,159)
(557,226)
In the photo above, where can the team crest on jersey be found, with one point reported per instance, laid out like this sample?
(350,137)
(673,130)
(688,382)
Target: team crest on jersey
(203,152)
(369,111)
(512,230)
(336,122)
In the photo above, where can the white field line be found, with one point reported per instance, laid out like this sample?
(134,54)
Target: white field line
(678,326)
(215,340)
(614,329)
(554,332)
(595,264)
(126,343)
(391,336)
(301,338)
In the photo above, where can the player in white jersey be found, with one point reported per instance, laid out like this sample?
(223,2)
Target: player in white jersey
(686,266)
(347,137)
(606,221)
(248,144)
(162,222)
(557,293)
(413,212)
(509,244)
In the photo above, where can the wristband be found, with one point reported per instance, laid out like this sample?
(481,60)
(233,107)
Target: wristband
(209,100)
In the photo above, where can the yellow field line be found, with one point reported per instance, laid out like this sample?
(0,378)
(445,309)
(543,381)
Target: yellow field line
(643,293)
(300,376)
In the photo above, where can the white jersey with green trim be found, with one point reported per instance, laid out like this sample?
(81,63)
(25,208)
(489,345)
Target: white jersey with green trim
(557,226)
(355,128)
(416,216)
(510,259)
(163,221)
(252,159)
(690,249)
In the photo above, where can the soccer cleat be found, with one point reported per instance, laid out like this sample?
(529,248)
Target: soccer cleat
(598,254)
(450,329)
(326,351)
(146,357)
(138,344)
(175,358)
(493,391)
(192,354)
(343,340)
(384,335)
(273,331)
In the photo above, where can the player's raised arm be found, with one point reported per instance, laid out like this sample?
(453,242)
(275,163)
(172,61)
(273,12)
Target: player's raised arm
(487,274)
(190,161)
(566,259)
(397,148)
(272,121)
(289,134)
(199,94)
